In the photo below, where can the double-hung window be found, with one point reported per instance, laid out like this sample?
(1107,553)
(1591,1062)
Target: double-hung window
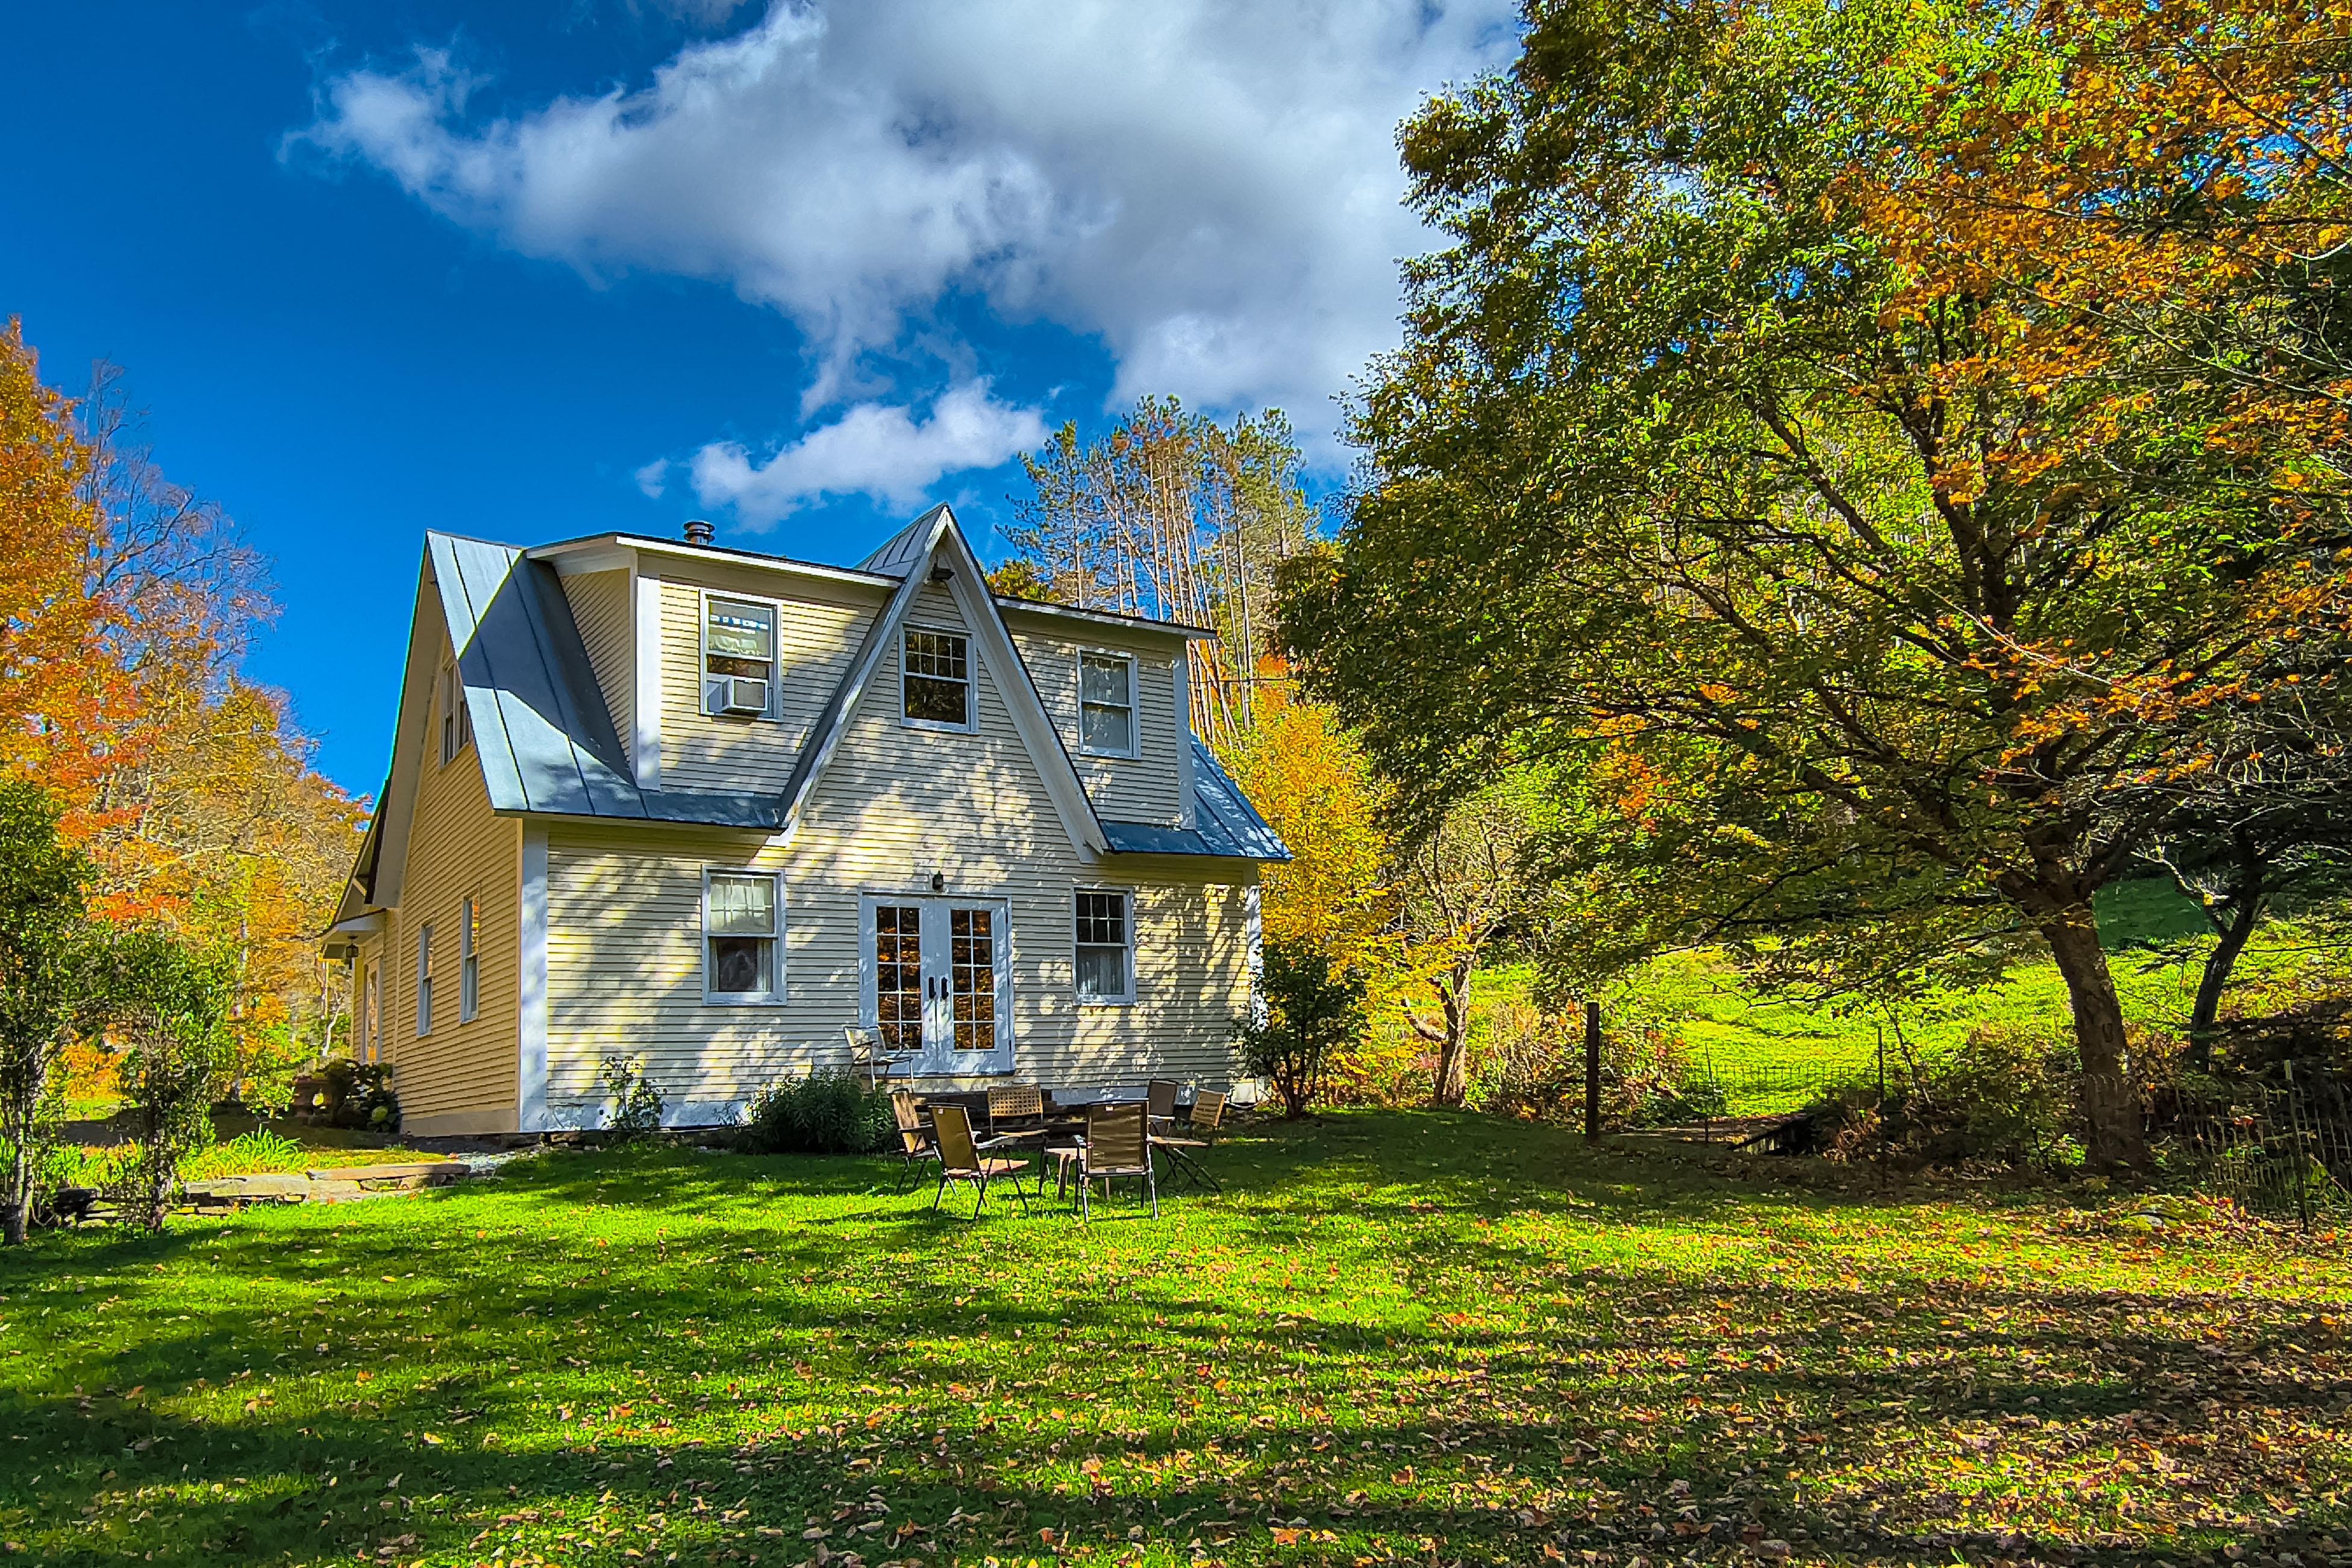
(1106,933)
(1107,704)
(423,981)
(935,679)
(739,657)
(743,926)
(456,722)
(469,965)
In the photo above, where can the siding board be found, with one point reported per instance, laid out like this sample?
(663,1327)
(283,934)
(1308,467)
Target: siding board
(601,608)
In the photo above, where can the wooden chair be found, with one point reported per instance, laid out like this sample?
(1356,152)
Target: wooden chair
(1200,1133)
(917,1147)
(1117,1146)
(961,1161)
(867,1052)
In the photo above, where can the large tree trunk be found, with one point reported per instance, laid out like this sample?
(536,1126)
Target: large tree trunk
(17,1201)
(2118,1138)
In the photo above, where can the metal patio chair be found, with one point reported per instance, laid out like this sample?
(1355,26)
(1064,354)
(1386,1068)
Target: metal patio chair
(960,1160)
(1159,1101)
(1200,1133)
(916,1146)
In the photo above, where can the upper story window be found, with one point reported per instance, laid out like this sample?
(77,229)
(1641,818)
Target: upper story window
(423,981)
(1107,704)
(935,678)
(457,721)
(739,657)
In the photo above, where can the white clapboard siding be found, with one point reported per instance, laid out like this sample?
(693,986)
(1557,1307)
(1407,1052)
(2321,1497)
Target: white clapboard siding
(819,629)
(1146,788)
(601,608)
(895,806)
(462,1077)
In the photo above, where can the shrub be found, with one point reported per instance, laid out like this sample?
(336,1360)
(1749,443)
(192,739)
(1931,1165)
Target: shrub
(167,1005)
(1303,1015)
(357,1094)
(2008,1095)
(637,1105)
(830,1111)
(1536,1070)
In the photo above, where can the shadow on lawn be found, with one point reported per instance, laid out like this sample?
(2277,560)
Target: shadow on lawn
(813,1300)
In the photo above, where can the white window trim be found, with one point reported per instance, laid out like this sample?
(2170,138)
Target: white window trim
(423,981)
(970,725)
(470,963)
(1134,703)
(455,719)
(1127,897)
(702,598)
(775,998)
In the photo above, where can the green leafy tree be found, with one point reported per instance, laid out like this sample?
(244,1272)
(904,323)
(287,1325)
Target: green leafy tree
(167,1007)
(1878,608)
(42,945)
(1305,1012)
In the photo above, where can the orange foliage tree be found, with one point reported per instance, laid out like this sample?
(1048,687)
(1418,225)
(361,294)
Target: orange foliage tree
(125,601)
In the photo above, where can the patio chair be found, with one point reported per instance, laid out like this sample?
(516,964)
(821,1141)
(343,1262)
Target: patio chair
(1159,1101)
(1011,1103)
(917,1147)
(868,1052)
(1200,1133)
(961,1161)
(1116,1145)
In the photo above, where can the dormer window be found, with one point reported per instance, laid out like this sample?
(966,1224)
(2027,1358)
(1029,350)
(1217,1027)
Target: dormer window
(739,658)
(935,680)
(1107,704)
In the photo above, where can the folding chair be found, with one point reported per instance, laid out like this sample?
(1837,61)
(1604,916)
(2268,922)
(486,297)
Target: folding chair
(1159,1101)
(1014,1104)
(961,1161)
(917,1147)
(1116,1145)
(1208,1117)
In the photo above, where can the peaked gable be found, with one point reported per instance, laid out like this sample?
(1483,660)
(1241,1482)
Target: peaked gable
(935,540)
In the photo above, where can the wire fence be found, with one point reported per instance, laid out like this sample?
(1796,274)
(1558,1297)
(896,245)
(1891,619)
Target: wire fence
(2281,1147)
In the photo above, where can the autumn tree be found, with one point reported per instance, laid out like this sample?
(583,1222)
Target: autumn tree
(1465,882)
(1891,600)
(1174,516)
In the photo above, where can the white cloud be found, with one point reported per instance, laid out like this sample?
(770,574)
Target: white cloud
(871,450)
(653,478)
(1209,185)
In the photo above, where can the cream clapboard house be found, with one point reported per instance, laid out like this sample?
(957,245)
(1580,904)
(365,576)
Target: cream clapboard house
(705,808)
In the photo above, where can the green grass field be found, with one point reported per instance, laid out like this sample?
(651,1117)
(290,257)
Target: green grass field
(1733,1031)
(1399,1337)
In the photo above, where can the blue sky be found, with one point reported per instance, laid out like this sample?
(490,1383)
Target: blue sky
(560,267)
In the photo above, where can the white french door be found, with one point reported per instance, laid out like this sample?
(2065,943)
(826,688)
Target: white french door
(937,976)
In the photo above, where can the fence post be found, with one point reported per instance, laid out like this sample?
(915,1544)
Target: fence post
(1591,1072)
(2301,1156)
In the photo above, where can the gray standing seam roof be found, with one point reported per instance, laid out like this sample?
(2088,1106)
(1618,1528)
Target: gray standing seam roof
(547,745)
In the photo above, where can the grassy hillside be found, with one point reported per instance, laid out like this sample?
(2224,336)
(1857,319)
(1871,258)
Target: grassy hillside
(2155,942)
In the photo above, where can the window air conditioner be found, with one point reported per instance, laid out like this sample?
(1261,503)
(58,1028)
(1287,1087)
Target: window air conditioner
(744,694)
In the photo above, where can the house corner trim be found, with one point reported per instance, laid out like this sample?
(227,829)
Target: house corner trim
(530,1090)
(645,701)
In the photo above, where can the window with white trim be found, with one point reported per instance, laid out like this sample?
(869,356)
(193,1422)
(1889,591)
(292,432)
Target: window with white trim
(1107,704)
(738,647)
(742,930)
(469,965)
(457,721)
(1106,942)
(423,981)
(935,679)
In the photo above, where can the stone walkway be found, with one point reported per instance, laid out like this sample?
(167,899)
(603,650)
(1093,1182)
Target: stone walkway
(326,1184)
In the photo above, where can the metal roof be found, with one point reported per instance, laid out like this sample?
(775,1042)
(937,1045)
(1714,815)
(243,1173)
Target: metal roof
(547,745)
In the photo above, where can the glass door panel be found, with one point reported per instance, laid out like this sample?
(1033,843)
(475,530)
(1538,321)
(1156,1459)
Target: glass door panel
(971,978)
(898,989)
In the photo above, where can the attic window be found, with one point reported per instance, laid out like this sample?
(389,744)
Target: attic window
(1107,704)
(739,657)
(936,680)
(456,721)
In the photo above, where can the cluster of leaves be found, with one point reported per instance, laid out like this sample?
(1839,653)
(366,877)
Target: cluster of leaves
(831,1110)
(1305,1012)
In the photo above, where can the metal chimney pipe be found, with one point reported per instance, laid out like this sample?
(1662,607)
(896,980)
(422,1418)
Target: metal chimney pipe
(698,532)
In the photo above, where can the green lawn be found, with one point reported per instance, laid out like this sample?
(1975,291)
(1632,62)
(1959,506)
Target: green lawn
(1402,1337)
